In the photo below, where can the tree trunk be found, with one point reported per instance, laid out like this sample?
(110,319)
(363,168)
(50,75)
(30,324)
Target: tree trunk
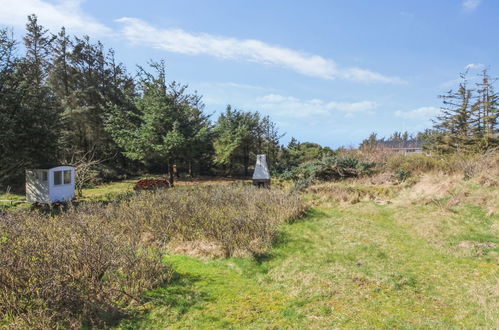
(171,175)
(246,161)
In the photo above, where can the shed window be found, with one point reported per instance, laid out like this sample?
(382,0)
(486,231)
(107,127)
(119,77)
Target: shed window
(45,176)
(67,177)
(57,178)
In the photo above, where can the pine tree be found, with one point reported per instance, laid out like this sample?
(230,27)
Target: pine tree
(454,122)
(165,126)
(486,107)
(38,102)
(38,43)
(11,164)
(238,140)
(29,113)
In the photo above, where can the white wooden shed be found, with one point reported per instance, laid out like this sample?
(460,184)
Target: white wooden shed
(50,184)
(261,175)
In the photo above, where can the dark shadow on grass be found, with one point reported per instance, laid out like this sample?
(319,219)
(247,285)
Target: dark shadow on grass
(177,297)
(282,238)
(311,214)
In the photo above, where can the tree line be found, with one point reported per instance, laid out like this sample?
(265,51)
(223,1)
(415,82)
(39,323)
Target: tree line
(67,100)
(468,121)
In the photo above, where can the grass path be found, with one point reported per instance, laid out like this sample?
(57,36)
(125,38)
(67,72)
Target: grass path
(213,295)
(356,266)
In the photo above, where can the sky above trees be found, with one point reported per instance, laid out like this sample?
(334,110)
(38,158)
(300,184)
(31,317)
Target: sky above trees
(325,71)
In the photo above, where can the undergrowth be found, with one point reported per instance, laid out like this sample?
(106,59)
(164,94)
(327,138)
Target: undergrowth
(83,267)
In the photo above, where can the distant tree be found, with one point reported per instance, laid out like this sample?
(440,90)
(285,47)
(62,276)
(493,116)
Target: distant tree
(240,136)
(268,138)
(369,144)
(468,119)
(297,153)
(485,112)
(454,121)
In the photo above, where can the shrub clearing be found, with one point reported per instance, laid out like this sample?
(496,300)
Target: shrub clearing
(84,267)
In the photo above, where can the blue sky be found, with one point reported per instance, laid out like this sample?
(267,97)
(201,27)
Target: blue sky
(325,71)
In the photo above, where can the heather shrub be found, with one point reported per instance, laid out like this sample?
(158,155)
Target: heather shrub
(83,267)
(70,270)
(233,217)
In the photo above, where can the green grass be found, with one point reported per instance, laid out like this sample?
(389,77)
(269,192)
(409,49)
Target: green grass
(407,264)
(215,294)
(108,190)
(354,266)
(12,201)
(105,192)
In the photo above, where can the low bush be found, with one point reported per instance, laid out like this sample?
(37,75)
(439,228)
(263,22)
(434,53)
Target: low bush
(236,218)
(329,169)
(485,166)
(152,184)
(415,163)
(70,270)
(402,174)
(83,267)
(352,192)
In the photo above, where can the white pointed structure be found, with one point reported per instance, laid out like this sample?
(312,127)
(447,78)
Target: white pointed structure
(261,175)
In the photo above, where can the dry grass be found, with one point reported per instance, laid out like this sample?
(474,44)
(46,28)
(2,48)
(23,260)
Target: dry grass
(70,270)
(468,165)
(374,252)
(457,211)
(236,219)
(84,266)
(380,188)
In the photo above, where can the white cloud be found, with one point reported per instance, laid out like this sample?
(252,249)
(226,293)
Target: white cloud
(65,13)
(235,85)
(290,106)
(180,41)
(474,66)
(419,114)
(68,13)
(470,5)
(366,76)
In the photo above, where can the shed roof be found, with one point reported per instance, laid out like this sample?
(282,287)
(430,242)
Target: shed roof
(49,166)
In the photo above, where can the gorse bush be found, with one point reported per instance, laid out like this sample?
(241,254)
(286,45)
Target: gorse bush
(83,267)
(329,169)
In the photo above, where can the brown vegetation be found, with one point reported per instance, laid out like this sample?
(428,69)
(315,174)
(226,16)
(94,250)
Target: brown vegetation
(84,266)
(152,184)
